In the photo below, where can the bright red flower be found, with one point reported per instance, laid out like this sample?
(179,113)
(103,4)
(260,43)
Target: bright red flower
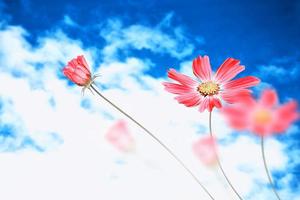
(205,149)
(119,136)
(262,117)
(78,71)
(208,91)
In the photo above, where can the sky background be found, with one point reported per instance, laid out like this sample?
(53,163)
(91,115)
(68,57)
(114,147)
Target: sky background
(52,139)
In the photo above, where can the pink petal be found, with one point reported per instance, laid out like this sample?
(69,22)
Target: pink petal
(81,60)
(177,89)
(181,78)
(202,69)
(241,83)
(217,103)
(77,71)
(269,98)
(119,136)
(236,116)
(83,69)
(261,130)
(189,99)
(72,76)
(82,72)
(79,80)
(285,116)
(204,103)
(205,150)
(76,75)
(73,63)
(67,72)
(234,96)
(228,70)
(214,102)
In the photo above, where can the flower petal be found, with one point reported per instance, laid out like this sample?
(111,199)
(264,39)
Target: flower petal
(234,96)
(189,99)
(120,137)
(202,68)
(241,83)
(228,70)
(261,130)
(79,80)
(237,116)
(177,89)
(217,102)
(82,72)
(269,98)
(204,103)
(77,71)
(213,102)
(81,60)
(285,115)
(181,78)
(206,150)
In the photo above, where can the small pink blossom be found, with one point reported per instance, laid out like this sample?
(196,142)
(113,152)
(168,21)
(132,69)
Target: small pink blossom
(119,136)
(208,91)
(262,117)
(78,71)
(206,151)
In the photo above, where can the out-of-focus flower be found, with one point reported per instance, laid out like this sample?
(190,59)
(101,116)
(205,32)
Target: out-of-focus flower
(119,136)
(262,117)
(210,88)
(78,71)
(206,150)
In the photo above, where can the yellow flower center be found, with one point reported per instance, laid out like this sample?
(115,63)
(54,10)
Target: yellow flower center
(208,88)
(262,117)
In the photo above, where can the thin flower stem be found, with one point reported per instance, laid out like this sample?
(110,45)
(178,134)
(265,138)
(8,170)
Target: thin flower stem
(219,162)
(156,139)
(266,168)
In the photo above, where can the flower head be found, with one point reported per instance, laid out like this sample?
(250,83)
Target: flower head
(210,89)
(206,151)
(78,71)
(262,117)
(119,136)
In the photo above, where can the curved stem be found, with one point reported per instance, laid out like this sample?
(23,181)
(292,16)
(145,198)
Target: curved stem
(266,168)
(219,162)
(155,138)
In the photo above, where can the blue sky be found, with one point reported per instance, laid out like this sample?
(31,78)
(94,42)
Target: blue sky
(132,44)
(257,32)
(260,33)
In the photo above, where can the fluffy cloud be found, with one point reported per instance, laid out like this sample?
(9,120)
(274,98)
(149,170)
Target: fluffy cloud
(278,72)
(43,110)
(164,38)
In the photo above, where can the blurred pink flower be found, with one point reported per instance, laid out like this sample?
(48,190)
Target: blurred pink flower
(78,71)
(119,136)
(206,150)
(210,89)
(262,117)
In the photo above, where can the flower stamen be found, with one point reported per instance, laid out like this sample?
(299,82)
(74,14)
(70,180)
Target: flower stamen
(262,117)
(208,88)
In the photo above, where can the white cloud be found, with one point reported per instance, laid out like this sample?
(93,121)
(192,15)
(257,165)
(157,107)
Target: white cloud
(164,38)
(277,72)
(69,21)
(79,164)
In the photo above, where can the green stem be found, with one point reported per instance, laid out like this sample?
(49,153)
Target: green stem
(266,168)
(219,162)
(155,138)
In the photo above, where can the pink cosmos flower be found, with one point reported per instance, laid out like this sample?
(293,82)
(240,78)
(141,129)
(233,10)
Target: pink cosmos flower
(262,117)
(208,91)
(119,136)
(205,149)
(78,71)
